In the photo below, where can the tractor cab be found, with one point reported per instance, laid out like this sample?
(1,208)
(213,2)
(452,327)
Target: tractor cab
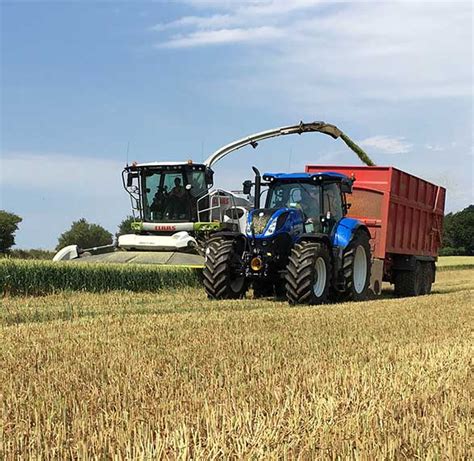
(298,203)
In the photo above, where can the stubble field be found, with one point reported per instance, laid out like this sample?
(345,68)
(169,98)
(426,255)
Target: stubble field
(125,375)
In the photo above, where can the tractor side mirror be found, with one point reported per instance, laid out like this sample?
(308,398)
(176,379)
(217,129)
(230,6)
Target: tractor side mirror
(247,187)
(130,177)
(346,187)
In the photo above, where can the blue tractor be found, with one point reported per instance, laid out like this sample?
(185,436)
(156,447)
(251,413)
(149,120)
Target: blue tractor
(300,245)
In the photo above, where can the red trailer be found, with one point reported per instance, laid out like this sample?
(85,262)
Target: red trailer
(404,215)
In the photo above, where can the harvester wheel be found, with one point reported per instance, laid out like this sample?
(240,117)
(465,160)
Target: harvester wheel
(356,266)
(308,274)
(409,283)
(223,278)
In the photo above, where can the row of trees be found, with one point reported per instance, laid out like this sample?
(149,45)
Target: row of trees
(458,236)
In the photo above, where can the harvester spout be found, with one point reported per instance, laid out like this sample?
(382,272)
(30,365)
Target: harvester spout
(300,128)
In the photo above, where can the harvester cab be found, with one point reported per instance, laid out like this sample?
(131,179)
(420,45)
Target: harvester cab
(300,244)
(176,208)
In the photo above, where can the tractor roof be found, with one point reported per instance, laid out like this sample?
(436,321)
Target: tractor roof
(324,176)
(164,164)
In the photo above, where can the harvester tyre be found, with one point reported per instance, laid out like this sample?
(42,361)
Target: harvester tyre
(409,282)
(308,274)
(221,275)
(356,264)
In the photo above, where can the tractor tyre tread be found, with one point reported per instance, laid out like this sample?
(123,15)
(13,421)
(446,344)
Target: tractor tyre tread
(301,272)
(217,270)
(350,294)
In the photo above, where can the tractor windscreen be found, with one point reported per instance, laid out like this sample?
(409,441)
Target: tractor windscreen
(305,196)
(314,200)
(171,195)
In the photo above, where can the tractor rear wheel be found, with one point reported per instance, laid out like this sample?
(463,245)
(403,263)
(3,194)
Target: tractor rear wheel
(223,276)
(356,266)
(409,282)
(308,274)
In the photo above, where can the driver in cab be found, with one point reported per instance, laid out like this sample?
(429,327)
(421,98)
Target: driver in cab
(178,190)
(177,196)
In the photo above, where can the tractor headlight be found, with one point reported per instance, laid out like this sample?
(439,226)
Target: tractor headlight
(271,228)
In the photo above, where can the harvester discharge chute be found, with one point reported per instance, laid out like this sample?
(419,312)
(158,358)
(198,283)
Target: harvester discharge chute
(177,210)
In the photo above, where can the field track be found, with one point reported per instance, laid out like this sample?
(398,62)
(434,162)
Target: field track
(146,376)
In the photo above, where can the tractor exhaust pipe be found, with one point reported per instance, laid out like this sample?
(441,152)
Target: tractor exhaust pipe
(258,187)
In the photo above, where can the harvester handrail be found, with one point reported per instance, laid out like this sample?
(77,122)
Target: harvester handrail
(300,128)
(219,193)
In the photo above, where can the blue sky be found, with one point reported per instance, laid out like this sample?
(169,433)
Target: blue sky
(176,80)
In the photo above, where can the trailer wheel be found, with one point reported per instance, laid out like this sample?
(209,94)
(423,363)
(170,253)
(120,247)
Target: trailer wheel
(223,278)
(409,283)
(356,266)
(426,277)
(308,274)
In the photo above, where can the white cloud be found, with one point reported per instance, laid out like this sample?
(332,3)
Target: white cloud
(200,22)
(212,37)
(387,144)
(435,148)
(318,52)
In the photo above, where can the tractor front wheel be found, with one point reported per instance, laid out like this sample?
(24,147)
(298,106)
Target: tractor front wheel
(308,274)
(223,277)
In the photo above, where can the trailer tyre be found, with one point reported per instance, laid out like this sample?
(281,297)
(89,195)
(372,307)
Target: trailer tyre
(222,274)
(427,272)
(356,266)
(409,282)
(308,274)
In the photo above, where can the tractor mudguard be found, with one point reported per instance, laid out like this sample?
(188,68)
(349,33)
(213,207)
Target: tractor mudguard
(344,230)
(231,235)
(228,234)
(315,237)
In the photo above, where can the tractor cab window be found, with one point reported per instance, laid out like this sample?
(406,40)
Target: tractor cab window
(332,201)
(304,196)
(165,196)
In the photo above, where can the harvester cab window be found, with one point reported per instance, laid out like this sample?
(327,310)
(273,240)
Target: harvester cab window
(165,196)
(197,180)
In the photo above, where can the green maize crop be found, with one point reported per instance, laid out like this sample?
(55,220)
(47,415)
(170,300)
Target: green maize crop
(44,277)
